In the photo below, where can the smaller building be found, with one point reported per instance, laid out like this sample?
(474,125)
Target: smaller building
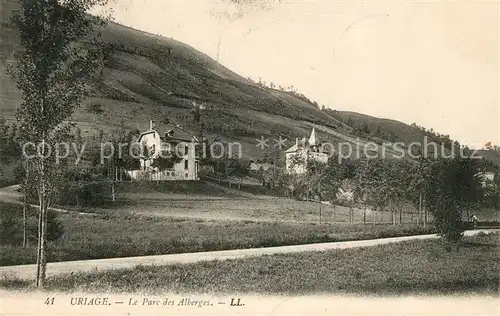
(304,150)
(490,176)
(258,166)
(487,178)
(177,141)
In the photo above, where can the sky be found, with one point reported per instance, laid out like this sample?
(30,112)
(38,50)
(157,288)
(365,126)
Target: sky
(434,63)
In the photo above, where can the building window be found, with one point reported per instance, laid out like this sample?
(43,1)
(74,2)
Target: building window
(185,175)
(186,150)
(186,164)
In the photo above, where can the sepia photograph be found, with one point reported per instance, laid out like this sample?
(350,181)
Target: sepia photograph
(249,157)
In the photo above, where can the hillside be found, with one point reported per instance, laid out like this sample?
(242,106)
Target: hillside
(392,130)
(152,77)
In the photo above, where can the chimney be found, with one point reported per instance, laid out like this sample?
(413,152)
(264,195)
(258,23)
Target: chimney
(150,124)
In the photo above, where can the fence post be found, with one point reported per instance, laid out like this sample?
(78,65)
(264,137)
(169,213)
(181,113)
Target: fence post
(351,212)
(392,213)
(320,212)
(425,216)
(419,220)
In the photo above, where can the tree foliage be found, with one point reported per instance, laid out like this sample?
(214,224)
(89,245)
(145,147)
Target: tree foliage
(452,187)
(56,60)
(447,187)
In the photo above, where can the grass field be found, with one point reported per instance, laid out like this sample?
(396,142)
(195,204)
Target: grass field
(413,267)
(210,201)
(119,234)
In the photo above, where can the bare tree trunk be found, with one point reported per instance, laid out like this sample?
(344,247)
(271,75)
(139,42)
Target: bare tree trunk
(42,235)
(393,215)
(425,216)
(43,250)
(76,195)
(400,216)
(351,212)
(419,219)
(25,217)
(39,246)
(364,216)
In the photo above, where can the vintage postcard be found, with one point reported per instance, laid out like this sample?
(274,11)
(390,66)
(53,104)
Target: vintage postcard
(249,157)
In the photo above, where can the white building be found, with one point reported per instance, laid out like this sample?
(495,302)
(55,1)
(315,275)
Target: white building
(168,138)
(298,155)
(487,178)
(258,166)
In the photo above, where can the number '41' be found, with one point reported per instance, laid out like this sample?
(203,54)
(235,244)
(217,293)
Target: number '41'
(49,301)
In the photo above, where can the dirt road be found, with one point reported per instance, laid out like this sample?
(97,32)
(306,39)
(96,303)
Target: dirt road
(58,268)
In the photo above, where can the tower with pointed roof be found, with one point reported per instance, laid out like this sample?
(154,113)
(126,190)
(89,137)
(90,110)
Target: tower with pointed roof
(312,138)
(304,149)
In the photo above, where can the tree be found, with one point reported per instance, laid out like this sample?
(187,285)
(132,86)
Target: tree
(121,152)
(384,182)
(165,159)
(52,69)
(327,178)
(9,146)
(10,152)
(418,172)
(237,168)
(454,186)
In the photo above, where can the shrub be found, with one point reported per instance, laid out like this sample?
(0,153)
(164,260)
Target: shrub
(8,230)
(55,228)
(11,225)
(85,193)
(95,108)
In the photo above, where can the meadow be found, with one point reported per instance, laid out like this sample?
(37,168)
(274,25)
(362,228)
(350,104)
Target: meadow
(118,233)
(210,201)
(419,267)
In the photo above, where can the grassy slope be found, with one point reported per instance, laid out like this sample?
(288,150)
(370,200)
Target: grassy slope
(413,267)
(387,126)
(143,81)
(404,131)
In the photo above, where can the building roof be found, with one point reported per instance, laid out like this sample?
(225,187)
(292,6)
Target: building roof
(292,149)
(171,132)
(303,143)
(313,139)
